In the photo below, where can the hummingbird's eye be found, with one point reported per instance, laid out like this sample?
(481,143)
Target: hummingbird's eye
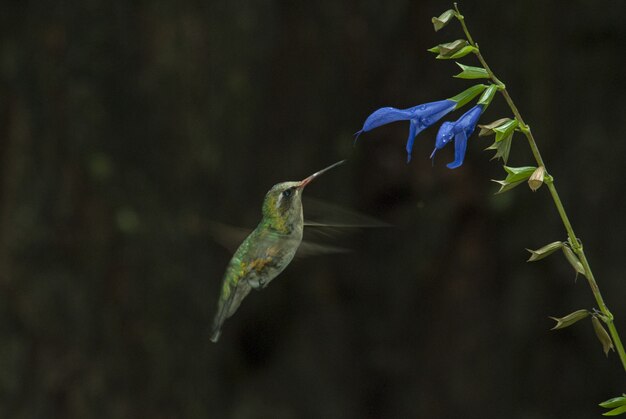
(287,192)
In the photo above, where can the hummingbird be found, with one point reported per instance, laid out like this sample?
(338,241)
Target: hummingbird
(267,251)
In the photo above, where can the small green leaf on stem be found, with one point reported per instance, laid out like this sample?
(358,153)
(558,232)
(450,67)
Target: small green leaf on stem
(467,95)
(488,129)
(603,335)
(449,48)
(519,173)
(573,260)
(503,148)
(462,52)
(515,176)
(615,412)
(545,251)
(505,186)
(469,72)
(570,319)
(486,97)
(504,130)
(443,19)
(536,179)
(614,402)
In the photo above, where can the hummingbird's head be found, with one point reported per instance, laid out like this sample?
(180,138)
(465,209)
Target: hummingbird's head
(283,203)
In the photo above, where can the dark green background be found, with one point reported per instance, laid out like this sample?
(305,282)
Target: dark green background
(127,127)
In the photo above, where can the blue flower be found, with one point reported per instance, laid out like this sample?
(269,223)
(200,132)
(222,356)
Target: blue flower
(420,117)
(459,130)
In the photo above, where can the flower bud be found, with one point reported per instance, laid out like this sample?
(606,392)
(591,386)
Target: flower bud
(443,19)
(573,260)
(603,336)
(570,319)
(545,251)
(536,179)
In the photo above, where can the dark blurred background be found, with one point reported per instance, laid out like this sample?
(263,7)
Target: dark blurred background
(128,127)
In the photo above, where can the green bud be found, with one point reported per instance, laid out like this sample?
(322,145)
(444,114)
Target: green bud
(573,260)
(488,129)
(467,95)
(443,19)
(536,179)
(545,251)
(603,336)
(469,72)
(570,319)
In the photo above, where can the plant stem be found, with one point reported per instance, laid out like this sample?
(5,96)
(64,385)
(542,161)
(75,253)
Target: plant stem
(575,243)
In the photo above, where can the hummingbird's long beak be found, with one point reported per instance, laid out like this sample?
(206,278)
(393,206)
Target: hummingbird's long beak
(308,180)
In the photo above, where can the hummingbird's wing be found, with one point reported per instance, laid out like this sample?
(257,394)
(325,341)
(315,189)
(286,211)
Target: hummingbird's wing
(320,213)
(229,237)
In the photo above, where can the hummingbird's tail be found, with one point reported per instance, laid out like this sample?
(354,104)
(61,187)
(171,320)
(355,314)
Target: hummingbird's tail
(229,302)
(215,334)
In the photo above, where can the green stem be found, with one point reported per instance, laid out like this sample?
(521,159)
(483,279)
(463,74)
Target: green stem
(575,243)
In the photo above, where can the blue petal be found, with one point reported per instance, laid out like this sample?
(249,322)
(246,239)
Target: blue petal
(469,119)
(444,135)
(384,116)
(413,131)
(429,113)
(460,146)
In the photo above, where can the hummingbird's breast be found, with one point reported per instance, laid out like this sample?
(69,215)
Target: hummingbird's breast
(273,257)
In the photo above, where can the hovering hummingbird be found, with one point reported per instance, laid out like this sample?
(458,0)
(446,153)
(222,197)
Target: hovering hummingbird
(268,250)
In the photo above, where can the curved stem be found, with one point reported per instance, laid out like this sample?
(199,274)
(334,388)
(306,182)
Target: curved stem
(575,243)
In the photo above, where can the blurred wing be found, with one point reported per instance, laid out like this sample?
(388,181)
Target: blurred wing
(323,214)
(231,237)
(311,249)
(228,237)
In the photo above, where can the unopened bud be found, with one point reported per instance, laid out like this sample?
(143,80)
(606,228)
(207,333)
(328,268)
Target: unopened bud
(570,319)
(536,179)
(603,336)
(545,251)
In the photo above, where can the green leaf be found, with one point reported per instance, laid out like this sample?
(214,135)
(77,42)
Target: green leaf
(615,412)
(463,52)
(467,95)
(503,148)
(488,129)
(504,130)
(545,251)
(614,402)
(505,186)
(519,173)
(573,260)
(603,336)
(449,48)
(469,72)
(515,176)
(443,19)
(570,319)
(485,99)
